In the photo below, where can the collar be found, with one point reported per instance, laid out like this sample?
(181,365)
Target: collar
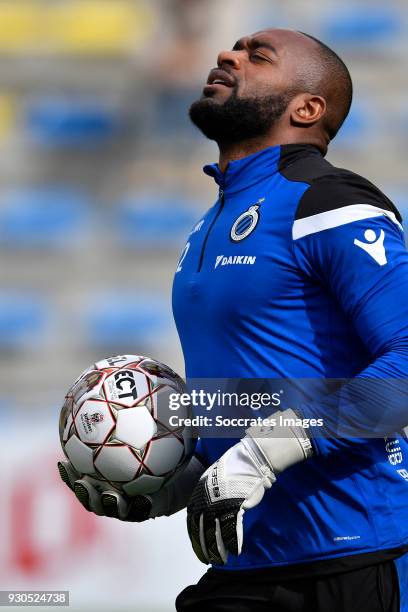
(243,173)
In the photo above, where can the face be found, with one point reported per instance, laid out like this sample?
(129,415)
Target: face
(251,87)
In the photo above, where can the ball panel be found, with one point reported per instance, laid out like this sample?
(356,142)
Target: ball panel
(65,419)
(143,485)
(163,455)
(65,433)
(80,455)
(89,369)
(126,387)
(163,408)
(89,386)
(190,442)
(118,361)
(94,421)
(117,463)
(135,426)
(160,374)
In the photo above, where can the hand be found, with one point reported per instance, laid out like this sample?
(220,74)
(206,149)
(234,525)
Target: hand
(236,483)
(233,484)
(97,497)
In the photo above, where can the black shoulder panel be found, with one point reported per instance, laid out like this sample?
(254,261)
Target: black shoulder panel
(330,187)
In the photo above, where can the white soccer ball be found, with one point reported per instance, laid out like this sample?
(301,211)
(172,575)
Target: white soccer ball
(115,424)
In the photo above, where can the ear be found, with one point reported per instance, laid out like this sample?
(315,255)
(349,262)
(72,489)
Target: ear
(307,109)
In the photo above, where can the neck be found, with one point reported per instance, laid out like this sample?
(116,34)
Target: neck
(238,150)
(231,151)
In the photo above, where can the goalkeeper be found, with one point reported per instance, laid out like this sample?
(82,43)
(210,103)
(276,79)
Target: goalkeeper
(299,270)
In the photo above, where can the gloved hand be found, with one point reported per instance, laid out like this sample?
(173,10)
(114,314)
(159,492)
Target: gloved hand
(237,482)
(97,497)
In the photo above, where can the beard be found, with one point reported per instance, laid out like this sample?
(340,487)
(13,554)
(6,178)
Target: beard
(238,119)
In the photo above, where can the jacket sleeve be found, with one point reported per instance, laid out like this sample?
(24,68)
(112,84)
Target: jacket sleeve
(356,251)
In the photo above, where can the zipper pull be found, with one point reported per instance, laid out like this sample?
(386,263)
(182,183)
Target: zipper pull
(221,194)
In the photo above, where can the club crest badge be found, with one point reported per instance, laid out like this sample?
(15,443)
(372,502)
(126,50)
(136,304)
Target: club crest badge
(246,223)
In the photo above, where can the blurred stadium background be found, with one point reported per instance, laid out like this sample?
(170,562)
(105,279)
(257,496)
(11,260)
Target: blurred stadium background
(100,182)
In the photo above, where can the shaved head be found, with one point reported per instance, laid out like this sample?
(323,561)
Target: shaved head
(329,76)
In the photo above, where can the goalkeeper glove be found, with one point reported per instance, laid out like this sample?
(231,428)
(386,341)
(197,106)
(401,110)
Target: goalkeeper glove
(237,482)
(97,497)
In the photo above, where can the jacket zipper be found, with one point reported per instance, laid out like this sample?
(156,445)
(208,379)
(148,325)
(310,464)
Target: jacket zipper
(222,199)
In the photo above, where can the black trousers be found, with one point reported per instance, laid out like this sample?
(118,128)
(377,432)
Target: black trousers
(368,589)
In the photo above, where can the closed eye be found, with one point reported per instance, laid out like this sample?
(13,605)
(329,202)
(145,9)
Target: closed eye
(256,55)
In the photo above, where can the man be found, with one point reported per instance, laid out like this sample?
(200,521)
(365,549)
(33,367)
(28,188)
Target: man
(298,271)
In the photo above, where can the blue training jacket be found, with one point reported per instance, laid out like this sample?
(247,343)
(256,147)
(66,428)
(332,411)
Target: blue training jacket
(299,270)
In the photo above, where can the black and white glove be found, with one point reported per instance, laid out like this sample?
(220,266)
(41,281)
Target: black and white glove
(98,498)
(237,482)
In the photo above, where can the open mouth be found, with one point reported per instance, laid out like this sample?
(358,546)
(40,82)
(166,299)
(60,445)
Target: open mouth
(220,77)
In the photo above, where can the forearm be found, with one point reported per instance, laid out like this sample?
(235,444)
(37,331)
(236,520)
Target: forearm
(372,405)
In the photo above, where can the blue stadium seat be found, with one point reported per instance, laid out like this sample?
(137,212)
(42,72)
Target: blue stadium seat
(70,122)
(126,319)
(23,321)
(42,217)
(154,221)
(361,25)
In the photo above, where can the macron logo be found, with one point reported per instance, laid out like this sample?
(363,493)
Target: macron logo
(374,246)
(235,260)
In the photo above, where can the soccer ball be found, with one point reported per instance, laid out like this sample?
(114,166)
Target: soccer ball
(114,424)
